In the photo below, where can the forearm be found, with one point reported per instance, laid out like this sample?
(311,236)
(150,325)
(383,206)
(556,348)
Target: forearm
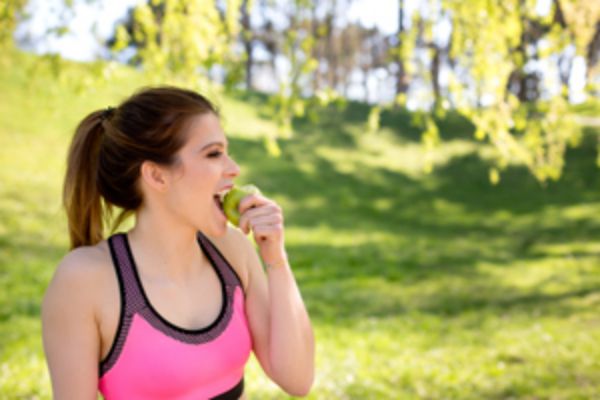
(291,335)
(286,350)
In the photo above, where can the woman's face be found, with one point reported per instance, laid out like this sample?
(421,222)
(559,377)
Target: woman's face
(205,171)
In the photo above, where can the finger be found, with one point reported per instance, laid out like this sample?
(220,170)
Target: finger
(261,211)
(256,216)
(246,205)
(252,224)
(244,224)
(266,210)
(265,220)
(252,201)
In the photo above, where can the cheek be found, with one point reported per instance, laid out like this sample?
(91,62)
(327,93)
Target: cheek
(198,188)
(199,182)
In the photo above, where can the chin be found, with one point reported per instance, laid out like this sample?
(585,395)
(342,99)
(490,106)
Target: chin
(216,231)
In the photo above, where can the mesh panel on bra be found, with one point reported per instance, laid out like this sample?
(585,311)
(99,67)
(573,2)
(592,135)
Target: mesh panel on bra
(134,301)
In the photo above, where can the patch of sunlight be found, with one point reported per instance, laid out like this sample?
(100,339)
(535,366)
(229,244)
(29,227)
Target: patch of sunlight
(335,237)
(38,161)
(314,202)
(448,209)
(579,248)
(559,216)
(258,384)
(489,153)
(407,158)
(549,275)
(307,168)
(344,161)
(410,157)
(23,373)
(25,376)
(383,204)
(581,211)
(242,120)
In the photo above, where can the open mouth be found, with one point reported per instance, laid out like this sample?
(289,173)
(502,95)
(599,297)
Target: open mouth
(219,202)
(219,197)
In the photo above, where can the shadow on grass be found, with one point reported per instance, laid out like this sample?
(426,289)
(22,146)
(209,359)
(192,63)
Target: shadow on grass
(432,244)
(398,120)
(464,180)
(357,282)
(352,200)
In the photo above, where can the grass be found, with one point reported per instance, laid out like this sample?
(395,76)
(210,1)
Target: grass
(420,286)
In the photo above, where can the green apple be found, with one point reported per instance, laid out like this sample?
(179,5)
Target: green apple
(231,202)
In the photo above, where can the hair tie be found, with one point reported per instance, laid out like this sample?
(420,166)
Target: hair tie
(107,113)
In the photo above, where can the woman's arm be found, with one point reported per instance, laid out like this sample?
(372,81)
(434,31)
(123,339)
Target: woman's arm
(70,334)
(281,329)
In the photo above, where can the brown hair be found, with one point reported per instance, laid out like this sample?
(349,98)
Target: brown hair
(108,148)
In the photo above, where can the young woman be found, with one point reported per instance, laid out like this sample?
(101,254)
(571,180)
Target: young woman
(172,308)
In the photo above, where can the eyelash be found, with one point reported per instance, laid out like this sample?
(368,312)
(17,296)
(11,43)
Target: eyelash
(215,154)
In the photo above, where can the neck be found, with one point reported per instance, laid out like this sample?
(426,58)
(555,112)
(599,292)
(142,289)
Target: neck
(165,249)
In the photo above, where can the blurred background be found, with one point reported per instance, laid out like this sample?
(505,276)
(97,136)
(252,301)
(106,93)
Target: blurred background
(437,162)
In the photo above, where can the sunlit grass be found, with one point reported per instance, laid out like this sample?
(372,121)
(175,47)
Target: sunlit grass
(420,286)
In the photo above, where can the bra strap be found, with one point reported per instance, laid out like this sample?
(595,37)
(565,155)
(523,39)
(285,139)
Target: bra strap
(130,290)
(219,261)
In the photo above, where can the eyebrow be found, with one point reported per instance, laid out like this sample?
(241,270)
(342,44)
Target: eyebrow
(206,146)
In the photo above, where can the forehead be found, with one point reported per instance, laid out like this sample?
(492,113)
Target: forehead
(202,130)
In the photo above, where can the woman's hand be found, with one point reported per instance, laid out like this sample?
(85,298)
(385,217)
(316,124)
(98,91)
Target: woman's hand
(265,218)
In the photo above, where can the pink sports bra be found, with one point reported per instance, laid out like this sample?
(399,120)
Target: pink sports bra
(151,358)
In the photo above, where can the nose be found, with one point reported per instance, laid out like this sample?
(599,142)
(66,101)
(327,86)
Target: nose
(233,169)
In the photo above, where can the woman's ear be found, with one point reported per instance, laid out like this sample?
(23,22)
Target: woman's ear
(154,176)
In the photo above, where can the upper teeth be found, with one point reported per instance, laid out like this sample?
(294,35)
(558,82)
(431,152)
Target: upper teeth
(222,194)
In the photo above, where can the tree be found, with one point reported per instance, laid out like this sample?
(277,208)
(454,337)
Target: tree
(183,40)
(10,14)
(491,52)
(491,58)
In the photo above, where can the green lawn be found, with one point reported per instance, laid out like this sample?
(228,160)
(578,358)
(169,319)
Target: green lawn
(420,286)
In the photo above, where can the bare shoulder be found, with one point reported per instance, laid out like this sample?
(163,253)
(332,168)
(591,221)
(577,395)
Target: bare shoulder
(236,248)
(70,320)
(85,263)
(81,275)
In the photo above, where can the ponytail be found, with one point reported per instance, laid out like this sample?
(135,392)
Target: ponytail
(81,197)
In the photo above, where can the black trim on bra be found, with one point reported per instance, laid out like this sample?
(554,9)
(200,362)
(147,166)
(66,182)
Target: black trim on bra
(212,245)
(104,363)
(164,320)
(232,394)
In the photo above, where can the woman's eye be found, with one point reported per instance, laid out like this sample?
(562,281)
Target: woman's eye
(215,154)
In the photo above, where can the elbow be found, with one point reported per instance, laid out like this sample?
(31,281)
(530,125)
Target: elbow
(297,385)
(299,388)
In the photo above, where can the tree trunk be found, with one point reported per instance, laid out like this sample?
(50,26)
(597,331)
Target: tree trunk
(401,76)
(565,65)
(365,71)
(593,53)
(524,85)
(316,83)
(332,61)
(435,73)
(247,37)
